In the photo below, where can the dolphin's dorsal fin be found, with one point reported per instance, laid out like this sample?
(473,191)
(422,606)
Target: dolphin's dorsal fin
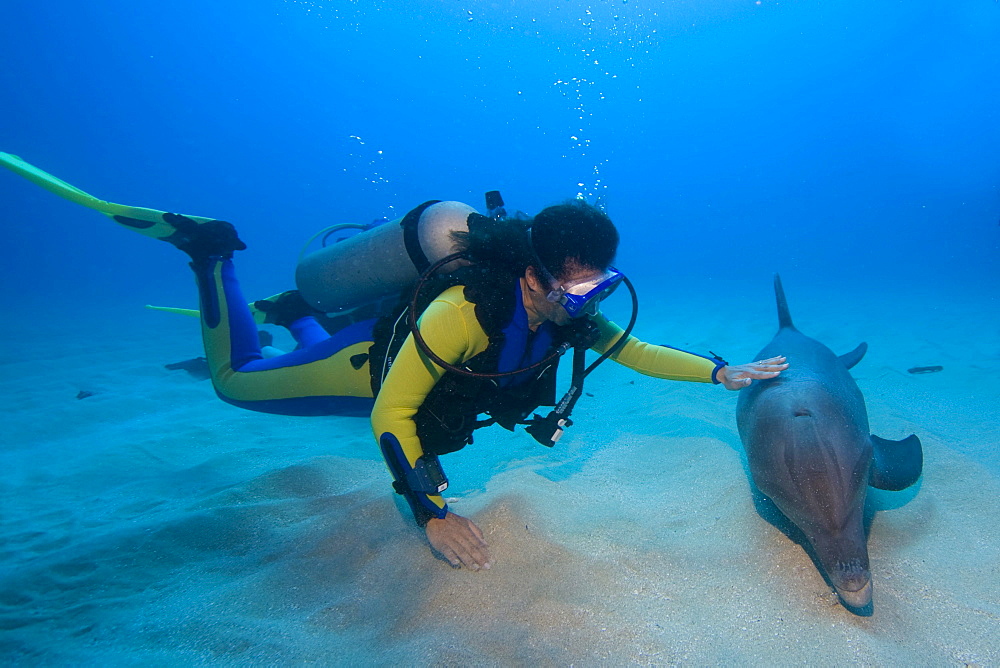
(896,464)
(853,357)
(784,317)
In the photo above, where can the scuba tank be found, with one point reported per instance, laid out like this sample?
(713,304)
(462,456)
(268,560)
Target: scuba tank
(383,260)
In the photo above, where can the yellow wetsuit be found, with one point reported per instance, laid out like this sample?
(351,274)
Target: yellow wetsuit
(451,329)
(331,374)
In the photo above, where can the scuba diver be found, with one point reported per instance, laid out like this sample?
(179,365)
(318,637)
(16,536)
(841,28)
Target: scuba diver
(478,333)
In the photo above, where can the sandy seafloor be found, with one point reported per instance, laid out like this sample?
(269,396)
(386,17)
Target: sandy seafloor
(153,524)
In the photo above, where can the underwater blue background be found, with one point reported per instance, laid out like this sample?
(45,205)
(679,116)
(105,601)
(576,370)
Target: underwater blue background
(840,143)
(852,146)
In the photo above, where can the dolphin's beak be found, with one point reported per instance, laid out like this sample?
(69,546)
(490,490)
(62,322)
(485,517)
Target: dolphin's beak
(860,598)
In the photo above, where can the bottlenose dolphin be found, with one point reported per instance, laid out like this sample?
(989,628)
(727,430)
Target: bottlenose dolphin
(809,450)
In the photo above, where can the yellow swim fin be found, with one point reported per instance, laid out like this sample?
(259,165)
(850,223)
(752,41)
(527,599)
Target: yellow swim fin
(149,222)
(172,309)
(259,316)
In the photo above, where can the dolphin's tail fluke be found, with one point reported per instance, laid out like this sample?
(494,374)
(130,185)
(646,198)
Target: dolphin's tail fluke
(784,317)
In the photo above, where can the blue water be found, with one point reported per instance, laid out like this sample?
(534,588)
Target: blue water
(847,144)
(854,137)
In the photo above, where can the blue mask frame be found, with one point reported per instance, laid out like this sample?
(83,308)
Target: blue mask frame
(588,303)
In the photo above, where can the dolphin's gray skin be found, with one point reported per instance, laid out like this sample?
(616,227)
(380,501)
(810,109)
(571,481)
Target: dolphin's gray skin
(809,450)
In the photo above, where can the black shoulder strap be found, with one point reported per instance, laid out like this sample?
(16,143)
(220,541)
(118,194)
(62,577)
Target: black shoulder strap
(411,238)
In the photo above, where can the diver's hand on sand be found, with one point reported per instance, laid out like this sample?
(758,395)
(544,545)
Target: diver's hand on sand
(459,541)
(739,376)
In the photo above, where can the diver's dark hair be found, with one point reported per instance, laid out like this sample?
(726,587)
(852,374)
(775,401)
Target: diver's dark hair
(497,246)
(573,232)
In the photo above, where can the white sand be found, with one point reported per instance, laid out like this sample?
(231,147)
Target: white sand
(152,524)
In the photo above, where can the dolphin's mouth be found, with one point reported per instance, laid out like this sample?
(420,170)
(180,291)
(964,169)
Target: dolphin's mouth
(853,583)
(858,598)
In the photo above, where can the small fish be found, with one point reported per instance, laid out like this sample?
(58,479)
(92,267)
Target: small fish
(926,369)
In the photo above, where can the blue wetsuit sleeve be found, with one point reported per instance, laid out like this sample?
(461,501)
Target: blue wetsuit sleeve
(421,485)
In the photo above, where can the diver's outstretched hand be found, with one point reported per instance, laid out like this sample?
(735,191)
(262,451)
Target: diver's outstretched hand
(459,541)
(739,376)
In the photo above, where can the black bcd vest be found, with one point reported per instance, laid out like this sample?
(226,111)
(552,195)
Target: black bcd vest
(450,412)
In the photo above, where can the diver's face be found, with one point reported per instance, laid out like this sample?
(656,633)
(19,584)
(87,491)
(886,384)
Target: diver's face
(539,290)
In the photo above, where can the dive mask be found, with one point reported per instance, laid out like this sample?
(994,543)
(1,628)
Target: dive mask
(584,298)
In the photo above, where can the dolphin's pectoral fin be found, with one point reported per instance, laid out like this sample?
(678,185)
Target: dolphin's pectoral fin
(853,357)
(896,464)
